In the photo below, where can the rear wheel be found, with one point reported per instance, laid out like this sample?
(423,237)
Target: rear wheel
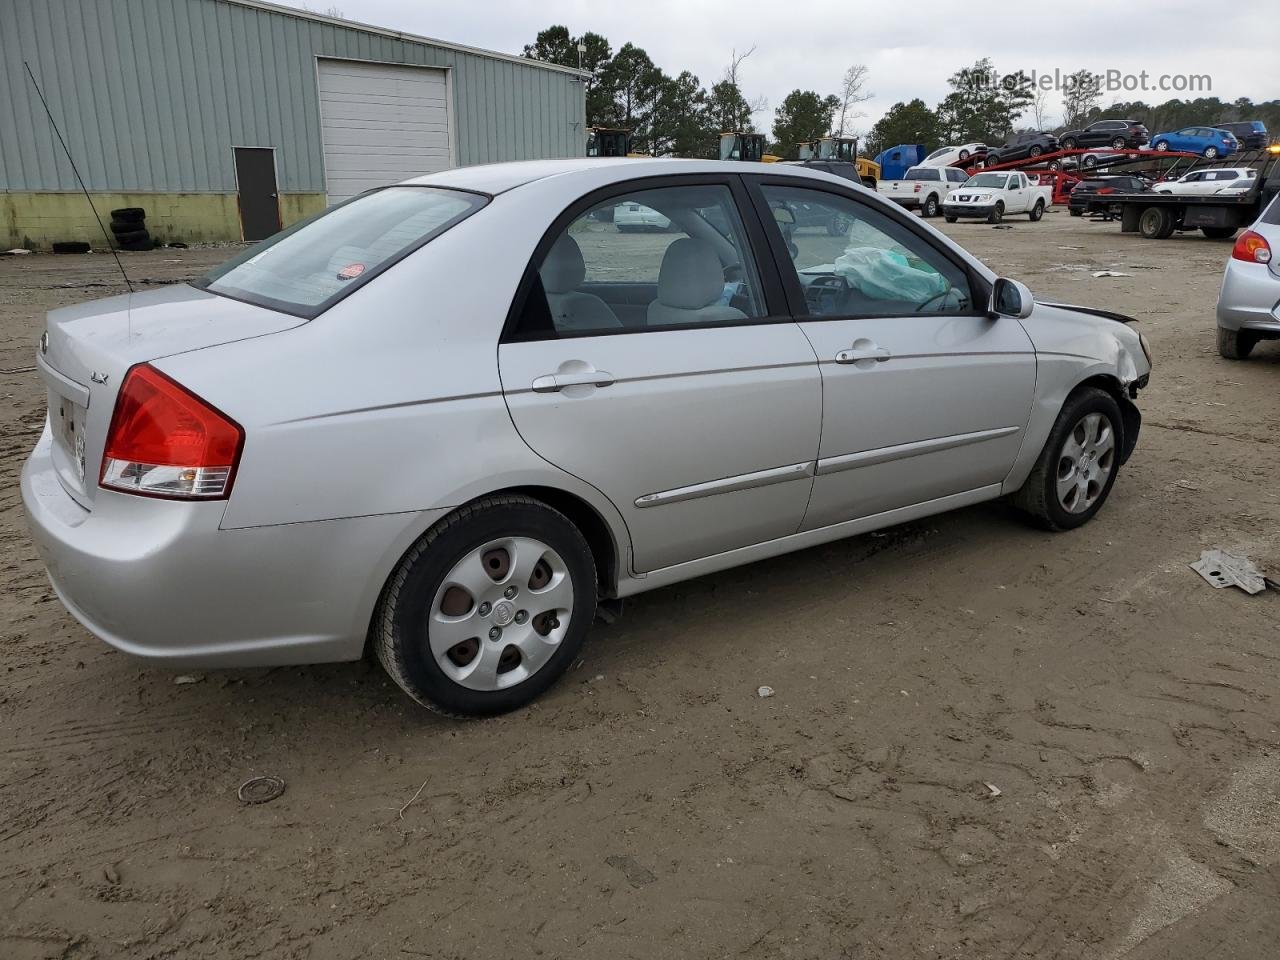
(488,609)
(1078,466)
(1075,212)
(964,154)
(1156,223)
(1036,212)
(1117,143)
(1219,233)
(1236,344)
(931,205)
(997,213)
(1035,151)
(1210,153)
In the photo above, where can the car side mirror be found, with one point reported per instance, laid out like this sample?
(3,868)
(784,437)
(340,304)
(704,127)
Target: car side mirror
(1010,298)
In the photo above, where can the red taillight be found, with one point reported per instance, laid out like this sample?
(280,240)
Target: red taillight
(1106,190)
(1252,248)
(164,441)
(918,186)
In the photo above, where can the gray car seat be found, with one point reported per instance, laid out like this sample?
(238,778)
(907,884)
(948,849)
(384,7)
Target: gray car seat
(690,284)
(562,273)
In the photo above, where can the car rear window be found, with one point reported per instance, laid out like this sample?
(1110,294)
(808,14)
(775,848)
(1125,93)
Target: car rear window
(922,173)
(1272,214)
(309,267)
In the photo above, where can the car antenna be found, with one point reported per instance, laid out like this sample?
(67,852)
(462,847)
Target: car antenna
(111,246)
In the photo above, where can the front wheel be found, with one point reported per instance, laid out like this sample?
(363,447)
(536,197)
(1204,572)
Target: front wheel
(1235,344)
(488,609)
(1075,212)
(1078,466)
(997,212)
(1036,212)
(951,219)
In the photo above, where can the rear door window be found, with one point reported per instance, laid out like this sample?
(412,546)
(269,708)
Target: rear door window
(306,269)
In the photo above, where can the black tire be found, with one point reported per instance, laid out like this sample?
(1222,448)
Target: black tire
(997,214)
(1036,212)
(1236,344)
(1219,233)
(129,215)
(951,218)
(1074,212)
(964,154)
(1211,153)
(138,246)
(930,208)
(133,236)
(1090,160)
(127,226)
(1118,143)
(1035,151)
(1155,223)
(1069,143)
(1055,164)
(1038,497)
(399,633)
(69,246)
(1162,145)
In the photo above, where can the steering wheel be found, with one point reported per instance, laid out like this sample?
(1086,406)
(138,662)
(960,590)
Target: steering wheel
(935,298)
(825,294)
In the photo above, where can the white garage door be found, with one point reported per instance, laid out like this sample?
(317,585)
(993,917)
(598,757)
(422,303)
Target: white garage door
(380,124)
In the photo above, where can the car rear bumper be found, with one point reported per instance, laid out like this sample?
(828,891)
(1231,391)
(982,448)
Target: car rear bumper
(1249,299)
(158,578)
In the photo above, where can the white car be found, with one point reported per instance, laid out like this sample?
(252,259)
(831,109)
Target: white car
(992,195)
(922,188)
(443,421)
(945,156)
(1200,183)
(637,218)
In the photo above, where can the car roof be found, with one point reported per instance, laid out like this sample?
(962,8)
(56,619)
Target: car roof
(496,178)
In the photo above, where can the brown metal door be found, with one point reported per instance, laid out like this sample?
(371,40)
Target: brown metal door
(258,198)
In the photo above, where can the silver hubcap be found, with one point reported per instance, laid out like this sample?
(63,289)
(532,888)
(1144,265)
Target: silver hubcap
(1085,463)
(500,614)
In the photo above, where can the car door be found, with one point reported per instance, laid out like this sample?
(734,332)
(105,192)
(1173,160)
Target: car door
(698,417)
(1017,194)
(924,396)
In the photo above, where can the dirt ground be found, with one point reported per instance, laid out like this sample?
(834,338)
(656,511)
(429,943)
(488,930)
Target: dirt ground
(653,805)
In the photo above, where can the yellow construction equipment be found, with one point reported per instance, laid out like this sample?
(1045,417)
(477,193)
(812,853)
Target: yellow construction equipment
(737,145)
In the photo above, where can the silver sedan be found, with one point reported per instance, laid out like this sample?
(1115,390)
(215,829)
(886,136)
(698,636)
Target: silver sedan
(1249,302)
(448,419)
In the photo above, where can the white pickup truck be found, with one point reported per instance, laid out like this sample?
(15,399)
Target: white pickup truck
(922,188)
(992,195)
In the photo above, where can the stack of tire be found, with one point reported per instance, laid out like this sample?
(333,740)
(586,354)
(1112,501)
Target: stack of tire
(129,224)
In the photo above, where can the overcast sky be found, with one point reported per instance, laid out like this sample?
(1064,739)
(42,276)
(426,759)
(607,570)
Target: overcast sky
(910,48)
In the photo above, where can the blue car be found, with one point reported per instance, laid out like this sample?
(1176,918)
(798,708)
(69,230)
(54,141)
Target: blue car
(1209,142)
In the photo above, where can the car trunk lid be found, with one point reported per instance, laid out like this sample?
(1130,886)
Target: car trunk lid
(87,349)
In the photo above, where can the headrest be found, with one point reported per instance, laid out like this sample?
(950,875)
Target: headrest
(691,276)
(564,269)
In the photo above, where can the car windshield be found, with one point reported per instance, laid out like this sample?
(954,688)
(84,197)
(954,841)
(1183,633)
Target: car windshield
(307,268)
(996,180)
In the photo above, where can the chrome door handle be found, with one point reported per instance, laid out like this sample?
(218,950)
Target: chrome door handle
(554,382)
(879,354)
